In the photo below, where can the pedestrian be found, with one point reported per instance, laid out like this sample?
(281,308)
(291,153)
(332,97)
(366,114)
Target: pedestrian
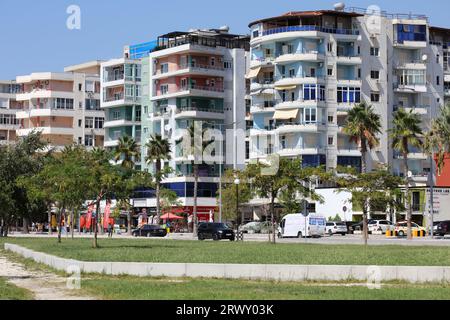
(110,230)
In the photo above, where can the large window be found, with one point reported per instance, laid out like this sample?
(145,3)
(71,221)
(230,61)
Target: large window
(8,119)
(310,92)
(407,32)
(61,103)
(310,115)
(89,122)
(348,95)
(92,104)
(88,140)
(99,123)
(412,77)
(352,162)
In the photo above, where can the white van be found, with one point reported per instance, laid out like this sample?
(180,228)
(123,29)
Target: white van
(296,225)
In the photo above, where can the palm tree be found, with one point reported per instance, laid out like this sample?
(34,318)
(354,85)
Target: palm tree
(363,125)
(196,149)
(437,140)
(158,149)
(406,132)
(128,150)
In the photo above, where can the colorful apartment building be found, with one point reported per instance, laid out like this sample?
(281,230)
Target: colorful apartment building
(195,76)
(8,108)
(64,107)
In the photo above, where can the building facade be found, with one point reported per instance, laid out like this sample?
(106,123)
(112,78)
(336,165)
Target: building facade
(196,77)
(8,108)
(64,107)
(308,69)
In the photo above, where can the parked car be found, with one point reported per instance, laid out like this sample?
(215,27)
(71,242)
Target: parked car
(443,228)
(380,225)
(251,227)
(297,226)
(336,228)
(150,230)
(401,228)
(357,226)
(215,231)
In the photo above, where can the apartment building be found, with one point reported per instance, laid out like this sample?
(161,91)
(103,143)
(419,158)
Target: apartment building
(64,107)
(195,76)
(121,99)
(8,108)
(308,69)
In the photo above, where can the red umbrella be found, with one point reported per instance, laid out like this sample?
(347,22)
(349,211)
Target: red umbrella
(170,216)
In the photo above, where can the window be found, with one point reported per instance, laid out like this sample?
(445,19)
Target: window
(438,81)
(438,60)
(227,65)
(330,141)
(116,115)
(80,87)
(92,104)
(330,119)
(291,73)
(310,92)
(375,97)
(330,47)
(164,68)
(138,115)
(138,91)
(348,94)
(255,34)
(374,51)
(164,89)
(88,140)
(61,103)
(330,72)
(375,74)
(89,122)
(213,61)
(99,122)
(310,115)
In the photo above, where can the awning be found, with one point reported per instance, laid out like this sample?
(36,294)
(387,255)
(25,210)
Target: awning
(285,87)
(253,73)
(285,114)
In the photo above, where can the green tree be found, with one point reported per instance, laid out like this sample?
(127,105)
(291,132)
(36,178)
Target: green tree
(437,140)
(370,189)
(289,176)
(406,133)
(158,150)
(362,126)
(128,151)
(169,199)
(229,193)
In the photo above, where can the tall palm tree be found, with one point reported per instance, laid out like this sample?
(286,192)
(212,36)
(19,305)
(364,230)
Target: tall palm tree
(128,151)
(362,126)
(437,140)
(158,149)
(405,133)
(196,149)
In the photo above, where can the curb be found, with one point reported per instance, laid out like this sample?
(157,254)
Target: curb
(270,272)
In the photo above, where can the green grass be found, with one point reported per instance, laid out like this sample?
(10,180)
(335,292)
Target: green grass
(9,291)
(148,250)
(125,287)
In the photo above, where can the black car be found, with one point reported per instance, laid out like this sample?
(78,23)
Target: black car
(352,227)
(443,228)
(215,231)
(150,230)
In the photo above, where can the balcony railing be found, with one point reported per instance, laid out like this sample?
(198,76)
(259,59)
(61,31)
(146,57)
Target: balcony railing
(114,77)
(310,28)
(201,109)
(191,66)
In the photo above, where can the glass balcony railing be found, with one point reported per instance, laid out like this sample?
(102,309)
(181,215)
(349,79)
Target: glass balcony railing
(310,28)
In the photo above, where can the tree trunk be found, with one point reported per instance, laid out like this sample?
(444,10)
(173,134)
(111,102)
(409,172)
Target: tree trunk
(60,224)
(194,225)
(49,211)
(407,197)
(25,229)
(97,212)
(158,189)
(365,226)
(129,222)
(272,217)
(71,223)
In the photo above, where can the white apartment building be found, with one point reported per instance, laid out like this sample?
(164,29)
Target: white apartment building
(308,69)
(8,108)
(64,107)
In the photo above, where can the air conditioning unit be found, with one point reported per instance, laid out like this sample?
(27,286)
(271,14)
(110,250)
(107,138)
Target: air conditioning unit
(321,65)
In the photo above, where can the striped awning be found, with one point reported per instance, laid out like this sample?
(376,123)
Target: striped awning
(253,73)
(285,114)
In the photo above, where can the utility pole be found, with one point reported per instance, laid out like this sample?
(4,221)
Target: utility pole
(432,193)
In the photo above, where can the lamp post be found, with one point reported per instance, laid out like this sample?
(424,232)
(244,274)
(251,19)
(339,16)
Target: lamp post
(236,183)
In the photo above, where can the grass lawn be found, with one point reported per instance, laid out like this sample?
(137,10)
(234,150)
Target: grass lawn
(123,288)
(148,250)
(11,292)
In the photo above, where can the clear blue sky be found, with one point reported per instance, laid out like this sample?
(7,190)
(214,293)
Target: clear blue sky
(34,37)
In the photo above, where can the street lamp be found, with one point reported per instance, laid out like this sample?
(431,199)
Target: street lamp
(237,182)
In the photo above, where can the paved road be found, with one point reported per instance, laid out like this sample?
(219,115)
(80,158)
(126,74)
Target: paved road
(339,240)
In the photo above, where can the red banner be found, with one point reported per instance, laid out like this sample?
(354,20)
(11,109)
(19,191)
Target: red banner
(107,215)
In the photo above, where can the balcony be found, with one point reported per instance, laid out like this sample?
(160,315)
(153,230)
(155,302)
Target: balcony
(349,59)
(262,61)
(118,100)
(299,103)
(420,110)
(192,90)
(292,151)
(311,31)
(199,112)
(348,152)
(287,127)
(295,80)
(262,84)
(127,122)
(304,55)
(267,106)
(191,69)
(44,112)
(46,131)
(418,87)
(44,94)
(413,64)
(351,82)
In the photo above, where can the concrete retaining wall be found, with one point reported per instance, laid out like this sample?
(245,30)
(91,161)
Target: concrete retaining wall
(244,271)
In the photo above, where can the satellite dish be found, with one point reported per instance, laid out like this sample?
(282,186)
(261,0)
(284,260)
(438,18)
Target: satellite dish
(340,6)
(225,29)
(410,174)
(424,57)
